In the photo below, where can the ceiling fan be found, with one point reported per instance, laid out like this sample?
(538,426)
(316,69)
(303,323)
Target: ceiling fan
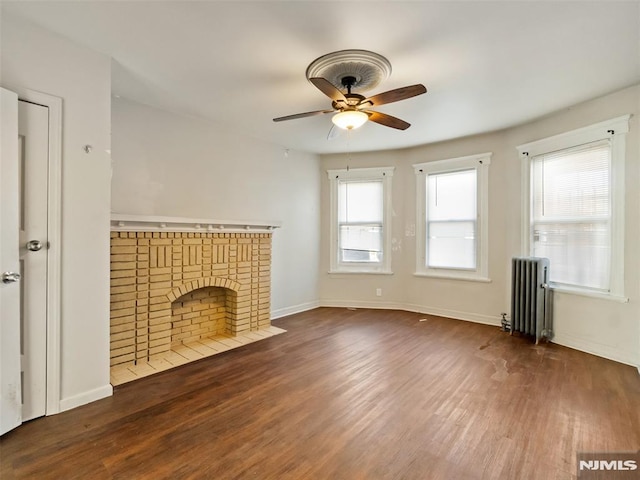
(352,110)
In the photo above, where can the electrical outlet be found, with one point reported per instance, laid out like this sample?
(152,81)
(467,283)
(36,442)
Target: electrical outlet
(378,292)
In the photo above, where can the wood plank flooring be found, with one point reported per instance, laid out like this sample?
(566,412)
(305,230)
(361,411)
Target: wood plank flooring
(348,394)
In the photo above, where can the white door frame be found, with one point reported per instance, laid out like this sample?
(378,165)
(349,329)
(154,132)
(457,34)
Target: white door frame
(54,234)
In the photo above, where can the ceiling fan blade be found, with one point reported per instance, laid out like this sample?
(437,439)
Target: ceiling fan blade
(302,115)
(326,87)
(394,95)
(387,120)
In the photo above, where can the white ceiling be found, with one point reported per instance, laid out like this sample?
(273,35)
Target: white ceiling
(486,65)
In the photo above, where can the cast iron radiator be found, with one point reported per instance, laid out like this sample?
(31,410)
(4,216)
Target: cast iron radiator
(530,297)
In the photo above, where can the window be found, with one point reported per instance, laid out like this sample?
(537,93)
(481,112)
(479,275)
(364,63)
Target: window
(574,207)
(452,217)
(451,220)
(360,206)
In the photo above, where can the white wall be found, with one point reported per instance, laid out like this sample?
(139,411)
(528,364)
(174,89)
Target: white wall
(33,58)
(603,327)
(173,165)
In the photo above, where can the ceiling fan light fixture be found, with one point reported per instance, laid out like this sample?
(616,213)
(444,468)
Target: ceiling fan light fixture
(349,119)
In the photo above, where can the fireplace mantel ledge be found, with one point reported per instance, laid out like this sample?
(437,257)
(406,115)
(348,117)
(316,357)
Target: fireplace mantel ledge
(149,223)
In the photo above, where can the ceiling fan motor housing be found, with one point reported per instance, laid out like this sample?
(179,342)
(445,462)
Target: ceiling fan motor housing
(348,82)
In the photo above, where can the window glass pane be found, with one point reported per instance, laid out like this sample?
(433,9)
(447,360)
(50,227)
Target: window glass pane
(578,252)
(360,201)
(452,196)
(571,214)
(361,243)
(572,184)
(451,245)
(451,219)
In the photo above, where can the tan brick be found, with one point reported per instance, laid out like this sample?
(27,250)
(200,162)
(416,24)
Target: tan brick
(157,314)
(123,289)
(122,305)
(159,320)
(122,360)
(162,334)
(115,266)
(181,310)
(116,352)
(191,241)
(161,241)
(181,323)
(161,278)
(161,292)
(123,273)
(164,342)
(156,307)
(158,299)
(117,282)
(120,242)
(159,349)
(123,258)
(124,320)
(123,343)
(124,327)
(119,297)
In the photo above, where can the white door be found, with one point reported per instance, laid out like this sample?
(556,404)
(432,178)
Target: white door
(24,163)
(33,132)
(10,391)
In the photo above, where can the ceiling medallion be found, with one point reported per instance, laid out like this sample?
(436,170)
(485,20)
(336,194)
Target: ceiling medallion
(368,68)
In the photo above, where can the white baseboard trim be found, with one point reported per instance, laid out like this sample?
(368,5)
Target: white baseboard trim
(439,312)
(455,314)
(360,304)
(86,397)
(303,307)
(596,349)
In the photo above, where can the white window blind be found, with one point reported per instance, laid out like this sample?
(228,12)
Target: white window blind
(571,214)
(360,221)
(451,220)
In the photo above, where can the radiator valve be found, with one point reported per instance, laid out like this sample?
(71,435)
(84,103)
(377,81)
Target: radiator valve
(506,325)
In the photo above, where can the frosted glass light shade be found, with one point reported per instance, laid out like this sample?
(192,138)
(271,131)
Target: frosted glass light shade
(349,119)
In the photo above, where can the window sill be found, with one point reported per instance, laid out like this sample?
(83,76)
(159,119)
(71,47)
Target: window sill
(360,272)
(466,278)
(586,293)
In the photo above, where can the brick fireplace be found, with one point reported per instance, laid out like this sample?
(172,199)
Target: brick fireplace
(171,289)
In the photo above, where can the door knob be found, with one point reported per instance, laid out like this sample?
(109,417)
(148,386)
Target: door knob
(34,245)
(10,277)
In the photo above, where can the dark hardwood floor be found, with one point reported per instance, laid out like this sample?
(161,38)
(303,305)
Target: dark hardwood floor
(347,394)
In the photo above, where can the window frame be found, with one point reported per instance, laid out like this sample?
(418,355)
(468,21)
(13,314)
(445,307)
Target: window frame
(385,174)
(480,162)
(615,131)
